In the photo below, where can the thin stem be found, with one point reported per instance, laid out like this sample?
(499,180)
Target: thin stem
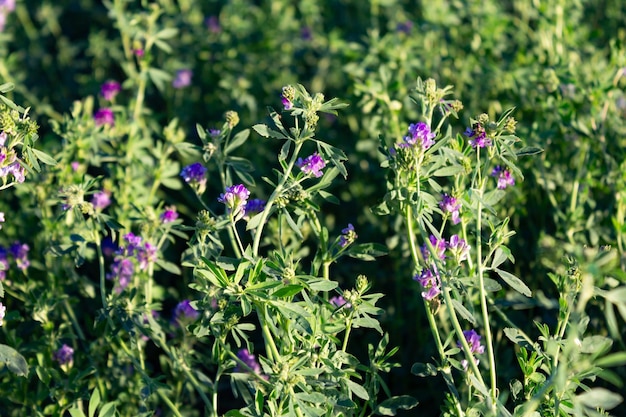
(481,285)
(270,346)
(169,403)
(275,194)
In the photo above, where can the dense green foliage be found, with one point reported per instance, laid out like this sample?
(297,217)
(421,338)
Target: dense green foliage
(557,67)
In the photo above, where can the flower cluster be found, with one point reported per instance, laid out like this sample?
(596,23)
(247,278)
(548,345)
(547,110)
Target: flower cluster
(348,236)
(338,301)
(452,206)
(185,312)
(505,178)
(169,215)
(312,165)
(253,207)
(19,252)
(419,136)
(235,198)
(6,7)
(456,245)
(104,116)
(478,136)
(249,360)
(123,267)
(473,340)
(9,163)
(101,200)
(109,90)
(182,78)
(288,96)
(195,176)
(64,355)
(429,280)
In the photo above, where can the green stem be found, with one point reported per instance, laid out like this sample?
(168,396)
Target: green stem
(277,192)
(270,346)
(169,403)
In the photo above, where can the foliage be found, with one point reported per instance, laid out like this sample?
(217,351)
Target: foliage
(189,226)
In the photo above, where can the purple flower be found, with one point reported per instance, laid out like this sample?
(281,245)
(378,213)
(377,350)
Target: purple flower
(213,24)
(122,271)
(405,27)
(75,165)
(101,200)
(3,311)
(110,89)
(146,255)
(420,135)
(134,242)
(104,116)
(478,136)
(20,253)
(338,301)
(459,248)
(215,132)
(505,178)
(473,340)
(451,205)
(5,263)
(306,34)
(108,246)
(138,52)
(7,5)
(182,78)
(439,245)
(169,215)
(429,280)
(287,104)
(348,236)
(3,140)
(249,360)
(64,355)
(194,174)
(312,164)
(235,198)
(184,311)
(15,169)
(253,207)
(1,219)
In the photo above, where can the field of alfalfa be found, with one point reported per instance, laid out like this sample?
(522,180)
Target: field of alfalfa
(312,208)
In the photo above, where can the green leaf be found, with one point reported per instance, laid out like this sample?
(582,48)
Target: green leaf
(94,402)
(492,197)
(600,398)
(390,406)
(423,369)
(288,291)
(357,390)
(159,77)
(464,312)
(516,337)
(514,282)
(615,359)
(448,171)
(234,413)
(267,132)
(529,150)
(502,254)
(44,157)
(13,360)
(170,267)
(166,33)
(108,409)
(321,284)
(238,140)
(367,251)
(76,412)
